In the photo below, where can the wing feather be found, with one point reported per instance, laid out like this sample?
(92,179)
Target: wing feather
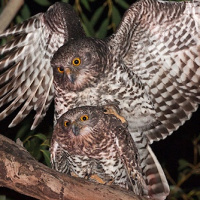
(20,94)
(26,76)
(43,105)
(27,26)
(25,110)
(160,42)
(13,88)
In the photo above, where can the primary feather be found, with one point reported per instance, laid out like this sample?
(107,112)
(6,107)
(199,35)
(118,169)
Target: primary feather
(26,63)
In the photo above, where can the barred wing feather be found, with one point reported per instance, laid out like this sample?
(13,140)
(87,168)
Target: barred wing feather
(161,44)
(26,76)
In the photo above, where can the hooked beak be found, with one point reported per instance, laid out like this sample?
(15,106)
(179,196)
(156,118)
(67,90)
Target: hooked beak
(70,75)
(75,129)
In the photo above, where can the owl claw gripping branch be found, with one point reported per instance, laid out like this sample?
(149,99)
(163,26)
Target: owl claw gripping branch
(112,110)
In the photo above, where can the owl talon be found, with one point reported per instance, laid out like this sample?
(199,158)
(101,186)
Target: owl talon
(74,175)
(112,110)
(97,179)
(110,182)
(94,177)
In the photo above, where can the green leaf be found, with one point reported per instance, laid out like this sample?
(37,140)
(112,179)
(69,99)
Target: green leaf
(41,136)
(19,19)
(97,15)
(116,17)
(175,192)
(65,1)
(3,41)
(87,25)
(46,143)
(2,197)
(23,131)
(46,155)
(43,2)
(183,164)
(33,146)
(27,139)
(122,3)
(86,30)
(25,12)
(194,193)
(102,32)
(1,6)
(86,4)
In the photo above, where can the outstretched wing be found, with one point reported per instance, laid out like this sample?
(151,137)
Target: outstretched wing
(26,76)
(160,42)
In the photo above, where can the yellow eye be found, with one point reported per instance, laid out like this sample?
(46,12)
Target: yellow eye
(66,123)
(76,61)
(61,70)
(84,118)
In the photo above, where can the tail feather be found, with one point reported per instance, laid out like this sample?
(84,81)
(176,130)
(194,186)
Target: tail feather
(156,182)
(158,185)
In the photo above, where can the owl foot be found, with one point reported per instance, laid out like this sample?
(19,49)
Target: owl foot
(110,182)
(97,179)
(109,109)
(74,175)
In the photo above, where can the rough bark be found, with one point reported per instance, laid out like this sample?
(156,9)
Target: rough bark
(19,171)
(9,13)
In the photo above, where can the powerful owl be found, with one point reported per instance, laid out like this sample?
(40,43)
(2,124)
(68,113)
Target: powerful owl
(91,142)
(149,68)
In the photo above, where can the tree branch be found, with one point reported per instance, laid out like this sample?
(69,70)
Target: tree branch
(9,13)
(22,173)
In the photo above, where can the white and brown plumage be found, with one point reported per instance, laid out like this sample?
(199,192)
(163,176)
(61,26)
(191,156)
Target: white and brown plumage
(89,143)
(26,67)
(149,67)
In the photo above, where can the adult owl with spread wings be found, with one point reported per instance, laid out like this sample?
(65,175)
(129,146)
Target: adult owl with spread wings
(149,68)
(93,142)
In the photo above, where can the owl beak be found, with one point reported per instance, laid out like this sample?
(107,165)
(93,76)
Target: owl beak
(75,129)
(70,75)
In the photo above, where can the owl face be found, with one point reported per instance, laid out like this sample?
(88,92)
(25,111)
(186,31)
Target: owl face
(78,64)
(80,126)
(79,123)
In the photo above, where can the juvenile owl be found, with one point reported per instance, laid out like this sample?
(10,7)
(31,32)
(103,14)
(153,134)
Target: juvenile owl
(91,142)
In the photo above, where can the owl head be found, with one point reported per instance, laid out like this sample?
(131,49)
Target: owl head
(80,121)
(79,64)
(79,127)
(85,126)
